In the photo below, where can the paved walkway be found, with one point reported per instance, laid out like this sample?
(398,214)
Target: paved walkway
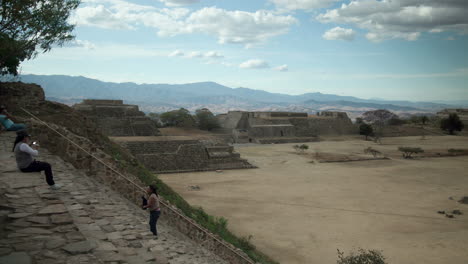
(84,222)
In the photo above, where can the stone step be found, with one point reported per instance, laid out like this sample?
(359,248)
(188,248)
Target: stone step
(83,222)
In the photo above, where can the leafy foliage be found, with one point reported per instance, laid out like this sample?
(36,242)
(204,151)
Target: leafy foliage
(366,130)
(28,25)
(362,257)
(301,148)
(452,124)
(178,118)
(396,121)
(372,151)
(206,120)
(408,151)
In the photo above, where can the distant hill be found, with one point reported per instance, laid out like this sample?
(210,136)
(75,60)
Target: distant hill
(216,97)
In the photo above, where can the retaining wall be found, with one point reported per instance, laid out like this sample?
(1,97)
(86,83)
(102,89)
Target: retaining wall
(184,155)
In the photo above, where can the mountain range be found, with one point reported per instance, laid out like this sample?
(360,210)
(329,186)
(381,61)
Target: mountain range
(217,98)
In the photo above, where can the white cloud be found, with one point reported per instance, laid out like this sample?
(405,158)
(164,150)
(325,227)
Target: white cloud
(239,26)
(248,28)
(291,5)
(99,16)
(195,54)
(254,64)
(209,55)
(404,19)
(77,43)
(339,33)
(213,55)
(282,68)
(179,2)
(176,53)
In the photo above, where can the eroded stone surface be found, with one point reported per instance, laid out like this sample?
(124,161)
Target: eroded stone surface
(80,247)
(53,209)
(16,258)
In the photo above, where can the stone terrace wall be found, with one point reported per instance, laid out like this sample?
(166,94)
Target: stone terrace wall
(184,155)
(323,126)
(117,119)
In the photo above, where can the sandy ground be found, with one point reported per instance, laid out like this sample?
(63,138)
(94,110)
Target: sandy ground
(302,212)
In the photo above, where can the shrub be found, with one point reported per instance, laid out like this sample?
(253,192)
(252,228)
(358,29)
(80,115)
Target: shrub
(372,151)
(362,257)
(301,148)
(408,151)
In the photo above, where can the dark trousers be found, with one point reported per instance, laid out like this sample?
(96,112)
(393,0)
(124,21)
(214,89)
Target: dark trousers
(154,216)
(38,166)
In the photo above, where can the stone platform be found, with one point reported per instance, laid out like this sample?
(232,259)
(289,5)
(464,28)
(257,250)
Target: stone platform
(84,222)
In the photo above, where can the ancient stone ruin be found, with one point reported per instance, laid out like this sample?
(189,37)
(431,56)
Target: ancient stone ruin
(284,127)
(180,154)
(162,154)
(115,118)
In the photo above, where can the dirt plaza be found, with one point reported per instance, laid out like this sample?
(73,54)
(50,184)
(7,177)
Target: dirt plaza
(299,210)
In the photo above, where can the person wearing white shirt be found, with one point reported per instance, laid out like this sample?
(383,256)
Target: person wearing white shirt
(25,161)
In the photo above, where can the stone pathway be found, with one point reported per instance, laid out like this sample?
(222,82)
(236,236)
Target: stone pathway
(84,222)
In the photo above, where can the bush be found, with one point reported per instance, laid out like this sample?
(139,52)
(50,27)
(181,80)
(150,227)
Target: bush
(372,151)
(362,257)
(301,148)
(408,151)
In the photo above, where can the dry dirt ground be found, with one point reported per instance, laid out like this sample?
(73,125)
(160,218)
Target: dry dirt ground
(302,212)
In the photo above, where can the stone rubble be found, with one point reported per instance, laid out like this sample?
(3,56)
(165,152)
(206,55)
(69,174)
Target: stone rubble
(83,222)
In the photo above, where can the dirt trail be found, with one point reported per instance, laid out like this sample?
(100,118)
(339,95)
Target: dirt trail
(301,212)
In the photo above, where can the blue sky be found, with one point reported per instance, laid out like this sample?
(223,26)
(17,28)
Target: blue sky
(393,49)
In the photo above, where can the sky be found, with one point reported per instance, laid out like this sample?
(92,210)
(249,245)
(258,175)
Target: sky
(413,50)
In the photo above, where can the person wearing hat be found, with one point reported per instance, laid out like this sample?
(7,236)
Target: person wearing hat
(24,153)
(6,121)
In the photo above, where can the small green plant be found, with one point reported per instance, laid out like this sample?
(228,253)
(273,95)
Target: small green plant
(372,151)
(361,257)
(301,148)
(408,151)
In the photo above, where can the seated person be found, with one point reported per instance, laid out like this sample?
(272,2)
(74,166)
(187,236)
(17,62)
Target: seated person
(5,120)
(24,154)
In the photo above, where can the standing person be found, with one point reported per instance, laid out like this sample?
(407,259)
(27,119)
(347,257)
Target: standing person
(153,207)
(24,154)
(6,121)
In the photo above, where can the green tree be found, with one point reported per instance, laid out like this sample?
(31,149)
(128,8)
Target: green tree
(178,118)
(451,124)
(206,120)
(156,117)
(27,26)
(366,130)
(424,120)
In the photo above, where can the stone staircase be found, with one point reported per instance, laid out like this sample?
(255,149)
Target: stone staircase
(84,222)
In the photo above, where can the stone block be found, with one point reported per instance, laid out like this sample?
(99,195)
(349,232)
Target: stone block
(81,247)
